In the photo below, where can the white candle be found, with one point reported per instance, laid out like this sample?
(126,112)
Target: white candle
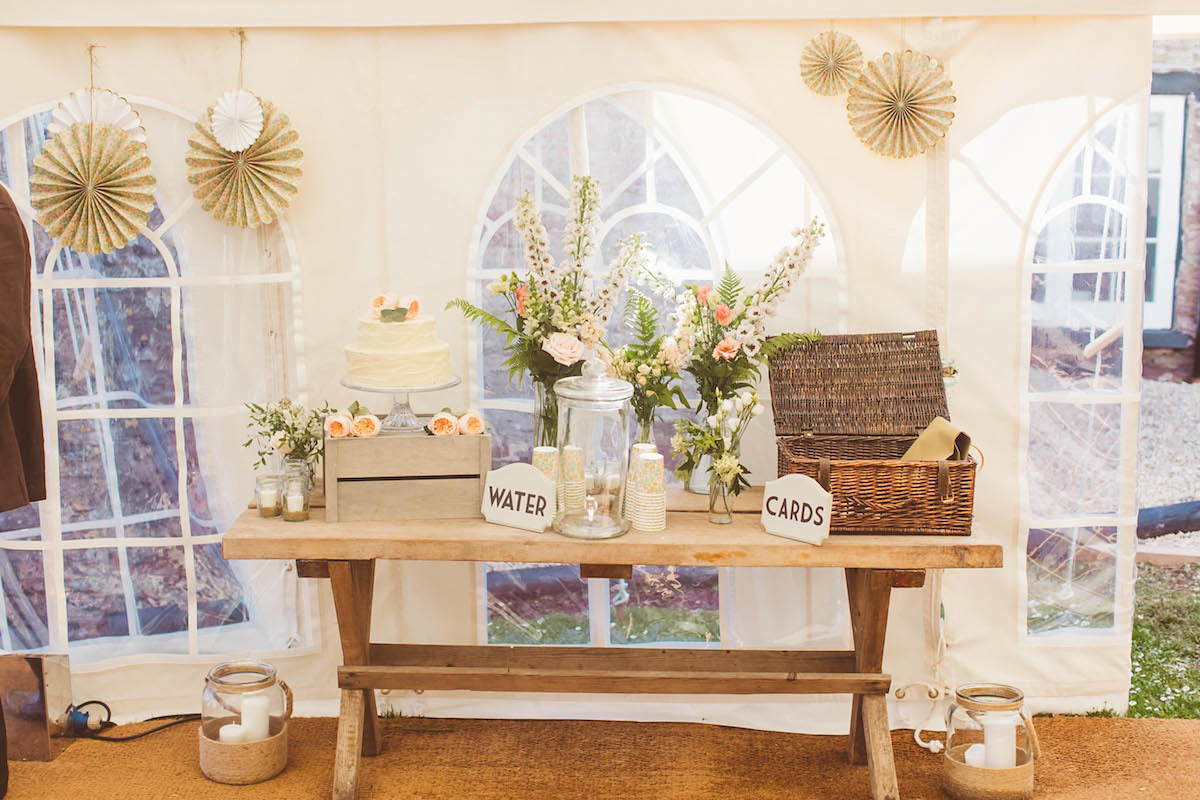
(268,498)
(1000,740)
(256,717)
(973,755)
(293,502)
(232,734)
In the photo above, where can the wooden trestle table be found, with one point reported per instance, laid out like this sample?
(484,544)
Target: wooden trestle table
(346,552)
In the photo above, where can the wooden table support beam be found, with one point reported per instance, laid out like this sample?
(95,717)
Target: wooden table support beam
(353,585)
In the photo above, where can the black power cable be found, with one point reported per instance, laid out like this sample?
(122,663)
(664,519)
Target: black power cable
(107,723)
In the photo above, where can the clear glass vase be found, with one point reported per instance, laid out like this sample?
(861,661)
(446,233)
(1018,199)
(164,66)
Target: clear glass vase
(291,467)
(545,419)
(719,512)
(645,432)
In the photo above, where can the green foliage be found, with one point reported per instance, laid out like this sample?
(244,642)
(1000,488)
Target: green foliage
(393,314)
(730,287)
(774,345)
(641,317)
(1102,712)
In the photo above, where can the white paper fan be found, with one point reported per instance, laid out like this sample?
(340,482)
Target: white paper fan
(237,120)
(110,109)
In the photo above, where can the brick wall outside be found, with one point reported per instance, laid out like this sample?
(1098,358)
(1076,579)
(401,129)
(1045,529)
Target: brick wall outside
(1170,364)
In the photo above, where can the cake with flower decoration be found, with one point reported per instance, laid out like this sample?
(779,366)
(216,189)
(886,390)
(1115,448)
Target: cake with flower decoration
(397,346)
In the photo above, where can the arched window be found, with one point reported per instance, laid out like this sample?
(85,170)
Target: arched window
(1080,412)
(709,188)
(145,355)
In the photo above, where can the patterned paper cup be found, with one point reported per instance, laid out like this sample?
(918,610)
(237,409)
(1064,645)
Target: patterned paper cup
(572,463)
(546,459)
(648,474)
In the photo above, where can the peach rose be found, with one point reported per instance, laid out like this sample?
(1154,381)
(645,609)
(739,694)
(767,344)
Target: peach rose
(366,425)
(339,426)
(411,303)
(702,293)
(724,315)
(471,424)
(563,348)
(382,302)
(727,349)
(443,424)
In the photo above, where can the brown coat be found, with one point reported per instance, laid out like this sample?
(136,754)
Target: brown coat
(22,462)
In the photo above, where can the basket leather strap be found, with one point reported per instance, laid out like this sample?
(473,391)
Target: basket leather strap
(823,467)
(945,494)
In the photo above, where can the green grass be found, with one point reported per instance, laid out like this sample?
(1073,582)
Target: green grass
(639,625)
(1166,643)
(556,628)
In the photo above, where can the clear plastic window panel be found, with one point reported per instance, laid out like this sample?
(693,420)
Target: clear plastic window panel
(1074,465)
(1077,343)
(536,604)
(1072,577)
(666,604)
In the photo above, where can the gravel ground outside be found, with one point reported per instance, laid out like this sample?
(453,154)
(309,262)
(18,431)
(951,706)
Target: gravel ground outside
(1169,451)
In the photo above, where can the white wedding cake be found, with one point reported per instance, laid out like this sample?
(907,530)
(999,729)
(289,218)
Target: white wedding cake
(397,347)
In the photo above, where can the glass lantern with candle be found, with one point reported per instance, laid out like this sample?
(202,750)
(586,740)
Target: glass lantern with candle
(243,723)
(594,418)
(990,744)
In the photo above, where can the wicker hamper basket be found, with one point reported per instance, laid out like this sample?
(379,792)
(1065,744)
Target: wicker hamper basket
(847,408)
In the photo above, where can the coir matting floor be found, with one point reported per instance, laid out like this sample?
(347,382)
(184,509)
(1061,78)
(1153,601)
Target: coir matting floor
(1083,759)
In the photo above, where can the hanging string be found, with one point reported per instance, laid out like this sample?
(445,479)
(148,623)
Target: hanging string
(241,34)
(91,51)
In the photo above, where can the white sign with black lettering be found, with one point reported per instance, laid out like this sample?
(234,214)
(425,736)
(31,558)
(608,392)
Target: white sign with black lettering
(519,496)
(795,506)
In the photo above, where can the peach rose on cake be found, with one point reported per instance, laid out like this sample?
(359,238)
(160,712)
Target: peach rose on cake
(411,304)
(724,315)
(381,303)
(563,348)
(471,424)
(727,349)
(366,425)
(443,424)
(339,426)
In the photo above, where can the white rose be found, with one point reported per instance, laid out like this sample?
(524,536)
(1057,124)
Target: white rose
(563,348)
(279,444)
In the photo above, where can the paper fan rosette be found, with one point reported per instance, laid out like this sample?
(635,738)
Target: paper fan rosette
(106,107)
(830,63)
(91,187)
(251,187)
(901,105)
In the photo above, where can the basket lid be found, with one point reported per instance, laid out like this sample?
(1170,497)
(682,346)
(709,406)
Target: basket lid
(876,383)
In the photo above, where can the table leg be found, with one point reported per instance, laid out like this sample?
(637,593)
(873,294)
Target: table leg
(869,592)
(353,585)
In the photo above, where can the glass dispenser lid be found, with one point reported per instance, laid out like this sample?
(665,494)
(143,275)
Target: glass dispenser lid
(594,384)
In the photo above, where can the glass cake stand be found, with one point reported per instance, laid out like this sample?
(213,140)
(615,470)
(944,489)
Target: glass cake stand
(401,419)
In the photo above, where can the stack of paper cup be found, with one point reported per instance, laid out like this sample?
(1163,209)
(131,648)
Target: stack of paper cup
(546,460)
(572,490)
(628,499)
(647,506)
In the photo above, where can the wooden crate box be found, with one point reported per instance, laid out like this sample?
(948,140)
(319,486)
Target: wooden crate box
(405,477)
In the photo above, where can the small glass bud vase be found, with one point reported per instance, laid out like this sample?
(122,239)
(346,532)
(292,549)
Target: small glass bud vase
(990,744)
(295,497)
(268,490)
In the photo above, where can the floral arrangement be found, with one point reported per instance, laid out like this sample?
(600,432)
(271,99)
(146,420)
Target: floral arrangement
(389,308)
(447,423)
(652,362)
(554,314)
(355,421)
(287,429)
(719,436)
(728,325)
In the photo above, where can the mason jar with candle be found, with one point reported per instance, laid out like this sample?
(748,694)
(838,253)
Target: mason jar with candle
(267,490)
(243,723)
(990,744)
(594,418)
(296,485)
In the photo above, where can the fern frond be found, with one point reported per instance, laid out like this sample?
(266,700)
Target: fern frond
(642,318)
(481,317)
(774,345)
(730,287)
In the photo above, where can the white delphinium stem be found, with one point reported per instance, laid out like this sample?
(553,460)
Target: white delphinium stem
(528,221)
(633,255)
(579,239)
(788,265)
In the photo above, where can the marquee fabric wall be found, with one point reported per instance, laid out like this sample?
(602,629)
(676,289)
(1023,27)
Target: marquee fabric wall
(404,132)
